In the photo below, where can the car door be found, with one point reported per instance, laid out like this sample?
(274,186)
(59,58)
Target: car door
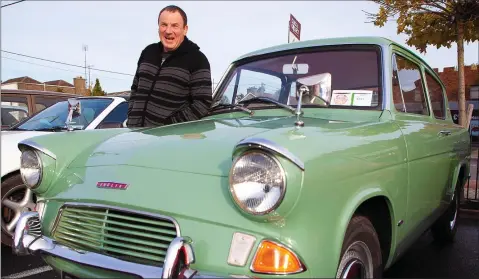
(449,135)
(426,155)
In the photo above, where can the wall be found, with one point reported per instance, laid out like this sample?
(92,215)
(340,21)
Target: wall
(449,77)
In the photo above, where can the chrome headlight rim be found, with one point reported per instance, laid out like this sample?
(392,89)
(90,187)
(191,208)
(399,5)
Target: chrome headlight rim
(282,174)
(40,169)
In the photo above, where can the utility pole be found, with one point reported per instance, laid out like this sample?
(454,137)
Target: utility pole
(85,49)
(89,79)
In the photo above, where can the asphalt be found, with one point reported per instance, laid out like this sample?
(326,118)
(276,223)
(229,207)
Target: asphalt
(425,259)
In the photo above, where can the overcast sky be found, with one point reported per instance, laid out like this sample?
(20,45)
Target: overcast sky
(117,31)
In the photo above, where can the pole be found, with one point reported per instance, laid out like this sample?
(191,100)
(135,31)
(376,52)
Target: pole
(85,49)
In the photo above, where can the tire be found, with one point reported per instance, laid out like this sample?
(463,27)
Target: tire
(444,229)
(14,190)
(361,255)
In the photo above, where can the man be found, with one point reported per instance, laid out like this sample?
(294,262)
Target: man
(172,83)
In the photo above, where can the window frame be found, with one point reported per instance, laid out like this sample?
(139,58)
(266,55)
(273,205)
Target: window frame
(421,69)
(443,93)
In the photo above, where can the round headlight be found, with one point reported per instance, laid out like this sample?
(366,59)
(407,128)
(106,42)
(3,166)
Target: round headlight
(30,168)
(257,182)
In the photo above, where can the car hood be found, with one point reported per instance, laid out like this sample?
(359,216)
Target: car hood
(206,146)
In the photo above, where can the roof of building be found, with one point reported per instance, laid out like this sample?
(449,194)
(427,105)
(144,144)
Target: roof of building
(24,79)
(59,82)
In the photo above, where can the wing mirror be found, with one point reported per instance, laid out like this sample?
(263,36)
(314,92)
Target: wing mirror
(74,110)
(316,86)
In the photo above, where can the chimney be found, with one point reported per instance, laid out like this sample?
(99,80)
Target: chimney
(79,84)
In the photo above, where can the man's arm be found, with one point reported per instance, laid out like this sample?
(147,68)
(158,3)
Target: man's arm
(201,92)
(134,86)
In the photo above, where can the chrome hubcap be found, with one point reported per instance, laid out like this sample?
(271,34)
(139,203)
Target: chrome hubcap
(18,200)
(355,269)
(455,206)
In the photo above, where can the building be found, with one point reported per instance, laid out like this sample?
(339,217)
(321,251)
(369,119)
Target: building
(28,83)
(449,77)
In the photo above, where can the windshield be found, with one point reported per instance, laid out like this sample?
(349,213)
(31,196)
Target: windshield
(347,77)
(56,115)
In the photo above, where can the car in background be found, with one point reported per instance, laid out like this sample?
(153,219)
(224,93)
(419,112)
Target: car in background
(12,115)
(319,159)
(30,101)
(95,113)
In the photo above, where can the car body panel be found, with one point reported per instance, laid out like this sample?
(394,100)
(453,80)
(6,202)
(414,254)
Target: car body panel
(336,162)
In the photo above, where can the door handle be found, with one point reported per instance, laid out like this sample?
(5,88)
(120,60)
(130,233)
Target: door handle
(444,132)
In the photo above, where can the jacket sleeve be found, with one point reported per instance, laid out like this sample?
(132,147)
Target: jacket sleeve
(134,86)
(201,92)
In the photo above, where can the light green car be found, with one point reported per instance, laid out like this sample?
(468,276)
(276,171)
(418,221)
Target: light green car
(323,158)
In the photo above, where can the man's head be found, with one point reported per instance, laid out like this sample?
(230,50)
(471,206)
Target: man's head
(172,27)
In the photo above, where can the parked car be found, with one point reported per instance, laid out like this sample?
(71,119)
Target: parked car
(323,158)
(12,115)
(96,113)
(31,101)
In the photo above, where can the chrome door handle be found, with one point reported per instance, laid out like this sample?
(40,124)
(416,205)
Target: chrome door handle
(444,132)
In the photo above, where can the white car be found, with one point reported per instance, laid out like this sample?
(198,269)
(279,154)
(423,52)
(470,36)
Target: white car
(92,113)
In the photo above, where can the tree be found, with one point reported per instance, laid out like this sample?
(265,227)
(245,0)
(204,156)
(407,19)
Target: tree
(97,90)
(435,22)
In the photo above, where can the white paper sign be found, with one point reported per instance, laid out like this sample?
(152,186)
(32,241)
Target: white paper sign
(352,97)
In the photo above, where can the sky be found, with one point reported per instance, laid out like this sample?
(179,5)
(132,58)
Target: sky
(117,31)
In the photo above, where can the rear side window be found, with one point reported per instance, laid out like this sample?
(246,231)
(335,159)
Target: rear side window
(411,84)
(436,95)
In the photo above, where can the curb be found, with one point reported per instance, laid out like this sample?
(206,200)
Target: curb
(469,214)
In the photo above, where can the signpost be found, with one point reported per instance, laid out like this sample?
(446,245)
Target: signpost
(294,30)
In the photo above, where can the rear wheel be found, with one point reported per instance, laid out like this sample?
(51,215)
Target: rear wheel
(16,199)
(361,255)
(444,229)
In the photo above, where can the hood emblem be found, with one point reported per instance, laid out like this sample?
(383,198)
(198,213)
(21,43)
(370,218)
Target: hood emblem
(112,185)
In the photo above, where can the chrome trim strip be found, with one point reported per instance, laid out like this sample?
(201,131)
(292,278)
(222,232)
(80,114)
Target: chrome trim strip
(103,206)
(35,145)
(26,244)
(271,146)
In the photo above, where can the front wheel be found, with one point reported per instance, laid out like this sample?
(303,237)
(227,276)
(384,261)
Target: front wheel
(16,199)
(361,255)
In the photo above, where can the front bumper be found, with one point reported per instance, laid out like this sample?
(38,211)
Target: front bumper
(28,240)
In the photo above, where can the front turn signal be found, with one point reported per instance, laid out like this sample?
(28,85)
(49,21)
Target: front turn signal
(273,258)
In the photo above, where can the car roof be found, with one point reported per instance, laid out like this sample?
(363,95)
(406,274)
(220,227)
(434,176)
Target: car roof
(37,92)
(368,40)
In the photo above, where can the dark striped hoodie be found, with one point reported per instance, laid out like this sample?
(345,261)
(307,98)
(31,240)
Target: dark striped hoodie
(176,91)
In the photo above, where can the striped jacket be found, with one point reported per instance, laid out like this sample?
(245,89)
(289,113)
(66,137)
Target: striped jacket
(176,91)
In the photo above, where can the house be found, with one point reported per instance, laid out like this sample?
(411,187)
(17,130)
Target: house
(28,83)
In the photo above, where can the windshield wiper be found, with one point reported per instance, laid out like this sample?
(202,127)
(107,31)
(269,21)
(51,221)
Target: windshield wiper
(55,129)
(233,106)
(267,100)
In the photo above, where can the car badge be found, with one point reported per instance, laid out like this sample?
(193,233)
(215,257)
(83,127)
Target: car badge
(112,185)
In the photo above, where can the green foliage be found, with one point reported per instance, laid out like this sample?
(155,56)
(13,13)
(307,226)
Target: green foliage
(429,22)
(97,90)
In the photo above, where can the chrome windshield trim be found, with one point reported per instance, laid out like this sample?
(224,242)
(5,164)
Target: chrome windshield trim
(37,146)
(262,143)
(103,206)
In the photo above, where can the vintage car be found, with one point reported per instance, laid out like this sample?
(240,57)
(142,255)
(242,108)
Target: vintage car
(96,113)
(323,158)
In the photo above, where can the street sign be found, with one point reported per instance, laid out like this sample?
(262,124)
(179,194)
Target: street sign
(294,30)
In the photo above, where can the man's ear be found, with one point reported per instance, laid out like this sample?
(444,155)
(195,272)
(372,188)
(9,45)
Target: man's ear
(185,30)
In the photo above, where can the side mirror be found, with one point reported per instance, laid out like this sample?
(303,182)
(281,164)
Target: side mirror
(74,110)
(320,86)
(295,69)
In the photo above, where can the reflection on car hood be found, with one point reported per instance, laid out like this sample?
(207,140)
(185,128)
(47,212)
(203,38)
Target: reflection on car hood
(205,146)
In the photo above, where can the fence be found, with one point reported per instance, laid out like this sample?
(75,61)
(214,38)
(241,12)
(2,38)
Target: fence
(471,191)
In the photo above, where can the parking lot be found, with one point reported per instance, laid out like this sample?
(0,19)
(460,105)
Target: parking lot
(423,260)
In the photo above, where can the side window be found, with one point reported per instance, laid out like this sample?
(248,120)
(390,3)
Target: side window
(437,97)
(411,85)
(116,116)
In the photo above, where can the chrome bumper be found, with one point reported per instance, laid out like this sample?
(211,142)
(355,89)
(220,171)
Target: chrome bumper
(28,240)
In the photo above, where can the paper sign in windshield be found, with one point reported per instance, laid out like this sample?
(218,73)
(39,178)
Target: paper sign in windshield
(352,98)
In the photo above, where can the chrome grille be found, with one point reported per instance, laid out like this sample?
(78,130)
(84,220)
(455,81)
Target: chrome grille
(126,235)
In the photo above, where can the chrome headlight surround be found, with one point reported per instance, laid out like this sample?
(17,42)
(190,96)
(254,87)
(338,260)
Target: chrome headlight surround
(253,187)
(31,168)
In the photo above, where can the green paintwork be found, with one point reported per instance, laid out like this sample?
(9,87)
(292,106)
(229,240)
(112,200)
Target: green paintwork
(182,170)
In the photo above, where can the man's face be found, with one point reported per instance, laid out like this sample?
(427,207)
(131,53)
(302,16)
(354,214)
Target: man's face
(172,30)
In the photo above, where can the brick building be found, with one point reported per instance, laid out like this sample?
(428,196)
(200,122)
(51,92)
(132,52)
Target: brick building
(28,83)
(449,77)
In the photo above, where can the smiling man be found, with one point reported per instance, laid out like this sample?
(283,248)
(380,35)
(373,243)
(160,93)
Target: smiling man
(172,82)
